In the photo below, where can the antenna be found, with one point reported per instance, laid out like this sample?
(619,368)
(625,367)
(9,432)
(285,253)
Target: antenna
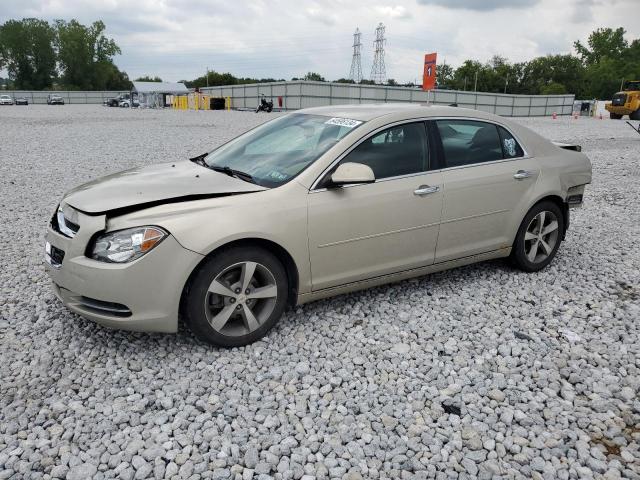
(355,73)
(378,70)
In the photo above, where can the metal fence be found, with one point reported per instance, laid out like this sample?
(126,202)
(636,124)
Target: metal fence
(40,96)
(302,94)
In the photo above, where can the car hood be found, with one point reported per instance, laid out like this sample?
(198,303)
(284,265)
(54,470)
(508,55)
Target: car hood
(154,185)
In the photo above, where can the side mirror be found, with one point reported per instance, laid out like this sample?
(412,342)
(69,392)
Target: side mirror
(350,173)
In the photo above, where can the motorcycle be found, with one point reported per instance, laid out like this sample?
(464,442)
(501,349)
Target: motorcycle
(264,106)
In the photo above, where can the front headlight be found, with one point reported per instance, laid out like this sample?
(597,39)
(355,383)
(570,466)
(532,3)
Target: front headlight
(126,245)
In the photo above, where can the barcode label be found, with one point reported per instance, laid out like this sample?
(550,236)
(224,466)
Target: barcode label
(343,122)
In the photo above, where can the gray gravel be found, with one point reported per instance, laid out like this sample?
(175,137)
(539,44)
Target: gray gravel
(480,372)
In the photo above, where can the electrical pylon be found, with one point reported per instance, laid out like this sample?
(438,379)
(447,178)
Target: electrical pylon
(355,73)
(378,69)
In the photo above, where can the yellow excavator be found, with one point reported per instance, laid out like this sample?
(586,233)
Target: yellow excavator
(626,102)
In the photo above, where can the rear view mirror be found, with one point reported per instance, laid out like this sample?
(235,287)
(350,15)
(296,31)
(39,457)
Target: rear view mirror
(349,173)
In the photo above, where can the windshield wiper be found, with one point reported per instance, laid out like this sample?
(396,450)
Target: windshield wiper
(233,173)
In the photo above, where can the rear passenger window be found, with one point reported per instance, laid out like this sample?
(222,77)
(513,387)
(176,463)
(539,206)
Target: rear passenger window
(510,146)
(466,142)
(397,151)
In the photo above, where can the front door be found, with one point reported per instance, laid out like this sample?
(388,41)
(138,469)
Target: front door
(363,231)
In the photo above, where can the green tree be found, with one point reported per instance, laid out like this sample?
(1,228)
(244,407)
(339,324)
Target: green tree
(542,72)
(27,52)
(148,78)
(553,88)
(109,77)
(602,43)
(444,75)
(313,76)
(84,54)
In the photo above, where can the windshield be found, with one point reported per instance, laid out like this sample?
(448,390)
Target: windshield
(277,151)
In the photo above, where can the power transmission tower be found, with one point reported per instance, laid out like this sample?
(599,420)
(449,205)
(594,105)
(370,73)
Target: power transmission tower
(355,73)
(378,70)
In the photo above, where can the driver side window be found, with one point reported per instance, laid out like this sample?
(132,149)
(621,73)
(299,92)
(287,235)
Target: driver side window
(396,151)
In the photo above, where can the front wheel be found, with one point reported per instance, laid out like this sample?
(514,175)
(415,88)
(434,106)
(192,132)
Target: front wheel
(635,115)
(615,116)
(538,237)
(236,296)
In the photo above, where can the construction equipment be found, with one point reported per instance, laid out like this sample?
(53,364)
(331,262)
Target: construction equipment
(637,129)
(626,102)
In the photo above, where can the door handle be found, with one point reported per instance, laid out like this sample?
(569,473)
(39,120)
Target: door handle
(522,174)
(426,190)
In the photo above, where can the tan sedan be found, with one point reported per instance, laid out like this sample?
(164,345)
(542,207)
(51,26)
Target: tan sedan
(312,204)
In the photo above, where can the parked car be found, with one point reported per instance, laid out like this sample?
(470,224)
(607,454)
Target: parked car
(121,100)
(22,101)
(6,100)
(127,103)
(312,204)
(54,99)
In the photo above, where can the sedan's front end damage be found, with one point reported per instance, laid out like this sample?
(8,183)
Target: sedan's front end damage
(124,276)
(137,295)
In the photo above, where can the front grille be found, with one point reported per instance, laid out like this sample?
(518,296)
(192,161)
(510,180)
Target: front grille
(104,308)
(619,99)
(63,225)
(53,255)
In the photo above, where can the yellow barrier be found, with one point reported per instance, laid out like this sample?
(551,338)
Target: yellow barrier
(196,101)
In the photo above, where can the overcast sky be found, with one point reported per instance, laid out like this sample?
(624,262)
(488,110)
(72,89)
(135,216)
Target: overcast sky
(179,39)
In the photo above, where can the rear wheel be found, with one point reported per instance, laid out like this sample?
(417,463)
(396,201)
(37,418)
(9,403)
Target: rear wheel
(236,297)
(538,237)
(615,116)
(635,115)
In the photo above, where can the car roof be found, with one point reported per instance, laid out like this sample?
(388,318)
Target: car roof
(399,111)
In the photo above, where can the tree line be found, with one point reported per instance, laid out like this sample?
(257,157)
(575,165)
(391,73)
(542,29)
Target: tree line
(39,55)
(596,71)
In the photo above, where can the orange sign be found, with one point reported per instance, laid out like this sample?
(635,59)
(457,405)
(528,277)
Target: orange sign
(429,74)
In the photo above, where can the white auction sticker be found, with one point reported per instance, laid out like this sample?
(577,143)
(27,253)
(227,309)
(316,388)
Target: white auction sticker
(343,122)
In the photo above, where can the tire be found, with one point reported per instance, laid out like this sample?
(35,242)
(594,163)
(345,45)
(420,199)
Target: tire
(229,317)
(615,116)
(635,115)
(532,252)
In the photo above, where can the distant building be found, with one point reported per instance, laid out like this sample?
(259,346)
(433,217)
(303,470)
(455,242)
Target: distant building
(154,94)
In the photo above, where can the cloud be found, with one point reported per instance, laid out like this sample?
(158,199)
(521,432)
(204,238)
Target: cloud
(481,5)
(320,15)
(583,11)
(179,39)
(396,12)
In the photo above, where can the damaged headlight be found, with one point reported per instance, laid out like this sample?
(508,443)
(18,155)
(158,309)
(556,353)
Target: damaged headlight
(126,245)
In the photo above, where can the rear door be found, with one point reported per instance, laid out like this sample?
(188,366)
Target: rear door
(362,231)
(488,180)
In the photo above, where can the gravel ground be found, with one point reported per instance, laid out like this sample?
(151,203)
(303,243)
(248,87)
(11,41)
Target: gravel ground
(481,371)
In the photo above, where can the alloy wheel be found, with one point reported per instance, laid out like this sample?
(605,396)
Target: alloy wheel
(541,237)
(241,298)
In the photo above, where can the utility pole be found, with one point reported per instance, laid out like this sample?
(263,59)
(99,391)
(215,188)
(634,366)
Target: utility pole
(355,73)
(379,70)
(207,77)
(475,83)
(506,81)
